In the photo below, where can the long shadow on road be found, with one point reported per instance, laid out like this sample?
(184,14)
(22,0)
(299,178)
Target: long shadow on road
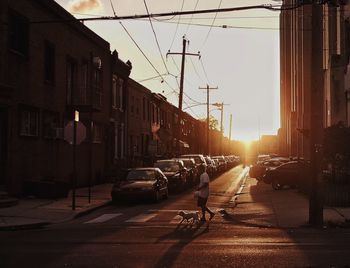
(184,235)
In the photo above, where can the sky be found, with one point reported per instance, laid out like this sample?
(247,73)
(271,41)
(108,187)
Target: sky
(242,59)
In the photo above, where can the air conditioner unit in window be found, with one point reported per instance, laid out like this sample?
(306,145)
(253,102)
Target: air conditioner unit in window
(58,133)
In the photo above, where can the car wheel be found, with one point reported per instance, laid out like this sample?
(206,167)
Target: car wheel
(166,195)
(276,185)
(157,197)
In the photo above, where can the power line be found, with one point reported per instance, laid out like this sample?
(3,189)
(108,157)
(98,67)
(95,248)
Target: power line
(195,7)
(141,50)
(181,13)
(177,26)
(225,26)
(195,69)
(205,73)
(155,36)
(211,26)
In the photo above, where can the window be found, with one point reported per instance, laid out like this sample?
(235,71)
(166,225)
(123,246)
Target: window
(29,122)
(49,63)
(120,93)
(96,133)
(97,86)
(18,33)
(144,108)
(149,110)
(84,83)
(70,80)
(114,92)
(117,93)
(50,125)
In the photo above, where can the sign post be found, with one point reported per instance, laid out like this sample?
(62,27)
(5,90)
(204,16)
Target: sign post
(74,134)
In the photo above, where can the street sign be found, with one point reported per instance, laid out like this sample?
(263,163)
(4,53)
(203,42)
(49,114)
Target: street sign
(68,132)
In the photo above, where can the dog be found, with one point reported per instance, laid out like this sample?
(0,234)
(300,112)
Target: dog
(192,216)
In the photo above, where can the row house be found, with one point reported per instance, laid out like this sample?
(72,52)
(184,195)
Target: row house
(156,129)
(141,114)
(48,70)
(296,33)
(52,66)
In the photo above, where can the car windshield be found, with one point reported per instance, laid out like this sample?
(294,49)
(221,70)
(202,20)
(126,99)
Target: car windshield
(144,175)
(196,158)
(188,163)
(167,166)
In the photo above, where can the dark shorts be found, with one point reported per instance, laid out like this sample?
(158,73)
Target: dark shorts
(202,202)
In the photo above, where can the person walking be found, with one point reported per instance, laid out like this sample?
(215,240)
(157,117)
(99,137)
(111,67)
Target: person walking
(203,193)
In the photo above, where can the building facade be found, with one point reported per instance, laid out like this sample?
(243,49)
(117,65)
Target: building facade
(48,71)
(297,41)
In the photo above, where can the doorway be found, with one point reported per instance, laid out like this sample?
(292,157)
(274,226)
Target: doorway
(3,146)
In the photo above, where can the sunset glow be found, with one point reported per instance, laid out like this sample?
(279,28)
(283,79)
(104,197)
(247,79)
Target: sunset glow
(242,62)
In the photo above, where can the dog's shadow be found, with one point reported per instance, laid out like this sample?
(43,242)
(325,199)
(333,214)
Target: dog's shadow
(183,234)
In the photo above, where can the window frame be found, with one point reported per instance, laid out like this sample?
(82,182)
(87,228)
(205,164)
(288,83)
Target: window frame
(34,117)
(18,38)
(49,77)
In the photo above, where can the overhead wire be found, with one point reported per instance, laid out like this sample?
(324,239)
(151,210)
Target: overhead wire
(177,26)
(188,26)
(143,53)
(195,69)
(155,36)
(185,81)
(205,73)
(134,41)
(181,13)
(225,26)
(211,27)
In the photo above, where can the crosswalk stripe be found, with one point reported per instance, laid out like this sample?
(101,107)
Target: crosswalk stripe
(176,219)
(164,210)
(103,218)
(142,217)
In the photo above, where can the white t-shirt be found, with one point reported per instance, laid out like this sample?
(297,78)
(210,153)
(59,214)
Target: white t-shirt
(204,192)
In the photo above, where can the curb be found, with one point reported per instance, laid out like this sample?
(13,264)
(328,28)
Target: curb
(41,224)
(240,189)
(91,209)
(27,226)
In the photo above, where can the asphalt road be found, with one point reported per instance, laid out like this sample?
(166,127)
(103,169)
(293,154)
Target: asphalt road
(148,235)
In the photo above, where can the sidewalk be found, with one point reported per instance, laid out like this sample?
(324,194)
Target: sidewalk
(259,205)
(34,212)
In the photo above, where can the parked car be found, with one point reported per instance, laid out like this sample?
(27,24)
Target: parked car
(198,158)
(175,172)
(211,167)
(192,170)
(140,183)
(259,169)
(290,173)
(222,162)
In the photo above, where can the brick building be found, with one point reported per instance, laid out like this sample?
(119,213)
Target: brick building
(47,71)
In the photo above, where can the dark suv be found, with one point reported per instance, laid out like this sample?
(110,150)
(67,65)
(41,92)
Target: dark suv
(198,158)
(175,172)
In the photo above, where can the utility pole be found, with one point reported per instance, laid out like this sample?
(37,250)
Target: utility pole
(316,112)
(208,125)
(229,136)
(183,54)
(221,108)
(221,126)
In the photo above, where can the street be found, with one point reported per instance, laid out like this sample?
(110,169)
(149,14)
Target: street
(148,235)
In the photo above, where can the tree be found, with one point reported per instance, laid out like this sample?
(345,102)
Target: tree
(213,122)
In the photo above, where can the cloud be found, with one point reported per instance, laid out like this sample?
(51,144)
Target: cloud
(84,5)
